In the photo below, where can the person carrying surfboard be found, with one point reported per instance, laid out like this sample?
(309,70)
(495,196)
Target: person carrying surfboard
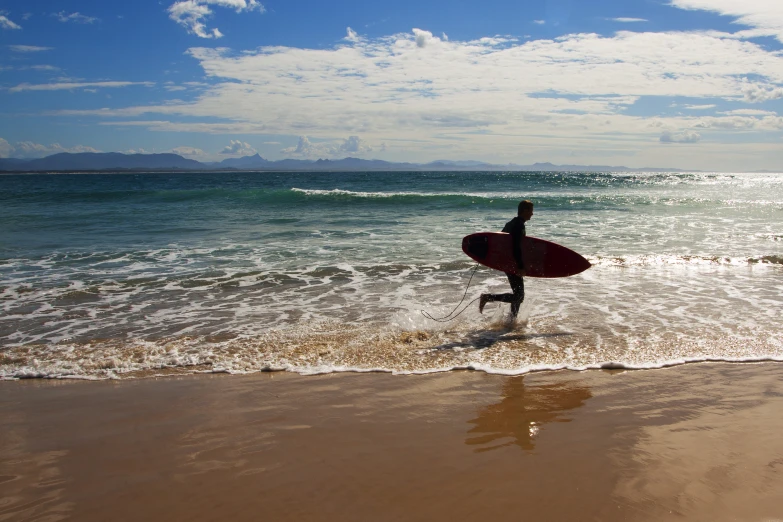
(515,227)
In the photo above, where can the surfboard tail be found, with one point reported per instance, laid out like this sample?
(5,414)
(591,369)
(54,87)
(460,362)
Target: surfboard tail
(476,246)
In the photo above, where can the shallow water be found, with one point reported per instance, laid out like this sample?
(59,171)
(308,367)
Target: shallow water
(113,275)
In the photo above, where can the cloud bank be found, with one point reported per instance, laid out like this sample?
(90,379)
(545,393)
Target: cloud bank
(351,146)
(30,150)
(188,152)
(239,148)
(499,94)
(419,84)
(680,137)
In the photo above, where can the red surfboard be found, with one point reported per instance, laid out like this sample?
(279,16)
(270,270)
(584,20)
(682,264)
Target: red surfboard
(542,258)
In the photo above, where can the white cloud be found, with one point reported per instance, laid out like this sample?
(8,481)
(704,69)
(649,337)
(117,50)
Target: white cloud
(185,86)
(30,150)
(700,107)
(28,48)
(74,17)
(351,35)
(239,148)
(137,151)
(354,145)
(750,112)
(739,122)
(5,23)
(43,68)
(63,86)
(169,126)
(303,148)
(628,20)
(539,22)
(755,93)
(29,147)
(423,38)
(688,136)
(188,151)
(173,87)
(192,13)
(765,16)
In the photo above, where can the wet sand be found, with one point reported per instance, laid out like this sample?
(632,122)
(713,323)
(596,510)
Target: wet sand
(694,442)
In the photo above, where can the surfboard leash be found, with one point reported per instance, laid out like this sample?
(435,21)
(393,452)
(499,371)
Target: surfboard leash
(447,318)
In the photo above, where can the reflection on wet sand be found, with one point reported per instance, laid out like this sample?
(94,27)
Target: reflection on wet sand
(518,417)
(695,442)
(24,469)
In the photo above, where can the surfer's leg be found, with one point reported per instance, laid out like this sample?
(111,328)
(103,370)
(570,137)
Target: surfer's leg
(492,298)
(518,286)
(514,299)
(483,300)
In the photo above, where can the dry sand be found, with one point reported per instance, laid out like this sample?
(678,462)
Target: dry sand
(695,442)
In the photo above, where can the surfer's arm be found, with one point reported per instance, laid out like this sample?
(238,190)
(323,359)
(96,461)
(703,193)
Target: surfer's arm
(516,239)
(514,228)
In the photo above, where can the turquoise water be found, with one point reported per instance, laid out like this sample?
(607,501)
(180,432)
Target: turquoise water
(109,275)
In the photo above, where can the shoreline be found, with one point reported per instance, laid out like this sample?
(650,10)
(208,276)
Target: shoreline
(187,371)
(695,441)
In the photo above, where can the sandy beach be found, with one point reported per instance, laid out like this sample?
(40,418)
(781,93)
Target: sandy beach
(694,442)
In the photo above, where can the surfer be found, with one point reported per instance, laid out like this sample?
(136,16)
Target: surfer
(515,227)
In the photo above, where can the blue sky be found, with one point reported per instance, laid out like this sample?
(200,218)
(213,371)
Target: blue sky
(665,83)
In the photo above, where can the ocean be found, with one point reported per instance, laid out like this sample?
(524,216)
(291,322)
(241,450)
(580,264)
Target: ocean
(129,275)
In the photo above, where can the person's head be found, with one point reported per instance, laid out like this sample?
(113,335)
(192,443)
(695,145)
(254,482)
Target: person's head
(525,209)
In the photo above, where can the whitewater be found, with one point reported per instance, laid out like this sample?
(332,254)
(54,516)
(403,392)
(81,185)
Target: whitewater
(123,275)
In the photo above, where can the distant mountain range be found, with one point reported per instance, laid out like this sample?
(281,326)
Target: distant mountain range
(115,161)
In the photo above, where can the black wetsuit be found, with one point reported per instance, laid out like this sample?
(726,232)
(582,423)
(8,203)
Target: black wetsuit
(515,227)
